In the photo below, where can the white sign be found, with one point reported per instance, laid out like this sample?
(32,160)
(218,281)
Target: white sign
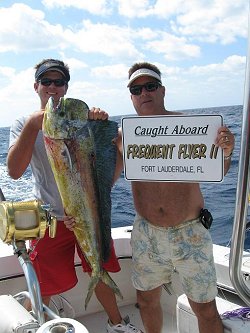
(172,148)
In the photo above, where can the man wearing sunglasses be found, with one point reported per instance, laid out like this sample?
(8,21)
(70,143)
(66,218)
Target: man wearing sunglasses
(53,259)
(167,234)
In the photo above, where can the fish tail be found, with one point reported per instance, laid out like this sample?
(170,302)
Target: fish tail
(105,278)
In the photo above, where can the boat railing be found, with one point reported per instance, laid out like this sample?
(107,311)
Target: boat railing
(238,278)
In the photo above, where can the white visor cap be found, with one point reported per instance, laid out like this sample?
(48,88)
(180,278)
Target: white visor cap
(143,72)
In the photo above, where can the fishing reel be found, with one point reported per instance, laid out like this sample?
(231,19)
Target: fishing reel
(25,220)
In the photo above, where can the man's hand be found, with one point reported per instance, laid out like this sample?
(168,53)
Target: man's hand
(69,222)
(97,114)
(225,140)
(36,120)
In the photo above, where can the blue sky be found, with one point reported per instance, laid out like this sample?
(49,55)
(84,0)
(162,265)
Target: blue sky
(200,47)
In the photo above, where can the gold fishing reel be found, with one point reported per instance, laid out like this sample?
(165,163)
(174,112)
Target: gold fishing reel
(25,220)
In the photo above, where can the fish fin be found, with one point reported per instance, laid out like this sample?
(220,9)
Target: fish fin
(67,155)
(92,284)
(104,133)
(106,278)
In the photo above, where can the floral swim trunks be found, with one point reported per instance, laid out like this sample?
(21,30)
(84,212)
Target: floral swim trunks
(186,249)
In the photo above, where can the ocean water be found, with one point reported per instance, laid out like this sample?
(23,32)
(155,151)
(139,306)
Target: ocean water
(219,197)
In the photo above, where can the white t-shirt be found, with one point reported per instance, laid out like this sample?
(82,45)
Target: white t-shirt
(44,185)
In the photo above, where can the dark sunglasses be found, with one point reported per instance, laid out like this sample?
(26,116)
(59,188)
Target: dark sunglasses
(149,86)
(57,82)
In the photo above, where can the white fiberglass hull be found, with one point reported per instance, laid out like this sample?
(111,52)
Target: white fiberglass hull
(177,314)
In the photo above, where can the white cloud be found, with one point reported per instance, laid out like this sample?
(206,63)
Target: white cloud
(132,9)
(109,40)
(100,48)
(74,64)
(33,32)
(215,84)
(24,29)
(98,7)
(118,72)
(6,72)
(172,47)
(217,20)
(203,20)
(18,96)
(233,65)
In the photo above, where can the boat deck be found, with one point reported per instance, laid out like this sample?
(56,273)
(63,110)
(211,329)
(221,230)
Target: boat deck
(97,322)
(71,303)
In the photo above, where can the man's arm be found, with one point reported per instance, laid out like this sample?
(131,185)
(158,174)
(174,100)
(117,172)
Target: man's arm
(20,153)
(119,157)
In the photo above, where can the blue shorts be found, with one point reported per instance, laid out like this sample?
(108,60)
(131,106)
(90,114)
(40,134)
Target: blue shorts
(186,249)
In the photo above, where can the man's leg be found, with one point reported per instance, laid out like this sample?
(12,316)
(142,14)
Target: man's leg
(208,317)
(45,300)
(150,309)
(106,297)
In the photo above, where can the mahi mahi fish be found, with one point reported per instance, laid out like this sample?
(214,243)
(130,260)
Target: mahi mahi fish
(82,156)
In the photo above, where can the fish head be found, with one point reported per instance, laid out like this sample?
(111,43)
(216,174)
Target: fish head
(63,120)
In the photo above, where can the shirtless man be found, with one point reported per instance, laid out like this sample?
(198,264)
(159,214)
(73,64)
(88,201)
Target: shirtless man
(167,233)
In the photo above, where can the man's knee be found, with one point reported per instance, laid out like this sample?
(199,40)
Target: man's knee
(205,311)
(150,298)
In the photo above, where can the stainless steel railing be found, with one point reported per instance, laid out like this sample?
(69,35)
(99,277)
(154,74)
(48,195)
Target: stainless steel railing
(242,194)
